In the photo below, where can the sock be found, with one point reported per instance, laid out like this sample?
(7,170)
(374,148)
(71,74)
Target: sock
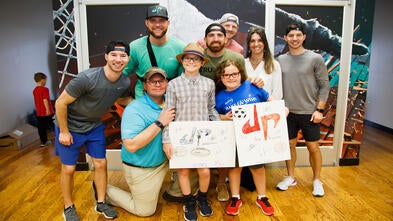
(236,196)
(202,194)
(261,196)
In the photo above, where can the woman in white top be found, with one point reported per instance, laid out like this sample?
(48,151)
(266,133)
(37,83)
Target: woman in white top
(260,62)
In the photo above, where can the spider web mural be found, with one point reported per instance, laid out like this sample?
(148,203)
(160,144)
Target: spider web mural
(64,31)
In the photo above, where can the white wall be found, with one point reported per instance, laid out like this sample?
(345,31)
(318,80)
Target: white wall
(380,89)
(26,47)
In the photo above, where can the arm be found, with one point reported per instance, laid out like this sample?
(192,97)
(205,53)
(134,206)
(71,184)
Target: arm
(322,79)
(124,101)
(213,114)
(277,81)
(150,132)
(47,109)
(62,102)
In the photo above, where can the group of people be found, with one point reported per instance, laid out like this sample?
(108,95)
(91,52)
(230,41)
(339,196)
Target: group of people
(185,82)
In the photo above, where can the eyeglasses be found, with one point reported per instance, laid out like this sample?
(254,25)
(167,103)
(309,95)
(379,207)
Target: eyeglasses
(193,59)
(153,83)
(233,75)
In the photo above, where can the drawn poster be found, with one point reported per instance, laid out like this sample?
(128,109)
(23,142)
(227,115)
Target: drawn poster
(202,144)
(261,133)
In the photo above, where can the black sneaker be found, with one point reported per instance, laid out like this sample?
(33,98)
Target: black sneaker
(189,211)
(69,214)
(204,207)
(106,210)
(177,199)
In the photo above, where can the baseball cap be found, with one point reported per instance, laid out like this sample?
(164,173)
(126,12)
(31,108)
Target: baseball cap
(229,17)
(152,71)
(215,27)
(157,11)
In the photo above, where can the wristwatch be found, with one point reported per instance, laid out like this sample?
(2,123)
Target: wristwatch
(320,110)
(159,124)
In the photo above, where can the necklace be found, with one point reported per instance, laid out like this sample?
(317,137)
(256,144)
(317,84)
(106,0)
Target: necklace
(255,61)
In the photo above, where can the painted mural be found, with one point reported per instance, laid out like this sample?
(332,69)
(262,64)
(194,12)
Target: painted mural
(323,28)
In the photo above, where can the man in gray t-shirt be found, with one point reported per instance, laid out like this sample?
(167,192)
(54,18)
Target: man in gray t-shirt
(305,90)
(78,123)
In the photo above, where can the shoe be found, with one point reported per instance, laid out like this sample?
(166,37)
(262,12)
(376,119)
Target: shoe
(106,210)
(177,199)
(189,211)
(265,206)
(222,192)
(45,144)
(95,191)
(204,207)
(285,183)
(70,214)
(233,206)
(318,188)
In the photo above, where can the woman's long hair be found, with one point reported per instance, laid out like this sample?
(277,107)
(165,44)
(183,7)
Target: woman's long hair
(267,55)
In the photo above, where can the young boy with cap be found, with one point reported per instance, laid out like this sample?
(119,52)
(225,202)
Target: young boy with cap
(199,106)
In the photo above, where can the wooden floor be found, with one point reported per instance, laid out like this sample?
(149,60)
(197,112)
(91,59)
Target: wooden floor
(29,185)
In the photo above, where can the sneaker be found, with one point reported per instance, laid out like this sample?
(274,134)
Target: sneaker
(106,210)
(318,188)
(234,206)
(70,214)
(189,211)
(265,206)
(222,192)
(285,183)
(45,144)
(204,207)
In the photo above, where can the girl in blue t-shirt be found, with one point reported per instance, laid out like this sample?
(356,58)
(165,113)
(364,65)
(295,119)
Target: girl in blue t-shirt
(233,89)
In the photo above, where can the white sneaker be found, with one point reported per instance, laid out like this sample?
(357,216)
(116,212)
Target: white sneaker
(318,188)
(285,183)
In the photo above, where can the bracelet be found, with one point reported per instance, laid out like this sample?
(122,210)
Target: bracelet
(159,124)
(320,110)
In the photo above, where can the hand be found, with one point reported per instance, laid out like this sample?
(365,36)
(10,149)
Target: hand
(167,148)
(257,81)
(286,112)
(66,138)
(316,117)
(167,116)
(227,116)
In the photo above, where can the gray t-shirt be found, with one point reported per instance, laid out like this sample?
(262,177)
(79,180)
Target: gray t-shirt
(94,94)
(305,81)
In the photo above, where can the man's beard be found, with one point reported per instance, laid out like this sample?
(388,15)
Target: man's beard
(215,49)
(157,36)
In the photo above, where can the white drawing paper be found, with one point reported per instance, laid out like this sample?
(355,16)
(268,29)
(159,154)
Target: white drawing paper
(202,144)
(261,133)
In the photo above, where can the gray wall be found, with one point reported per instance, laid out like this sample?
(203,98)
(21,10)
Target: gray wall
(380,89)
(26,47)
